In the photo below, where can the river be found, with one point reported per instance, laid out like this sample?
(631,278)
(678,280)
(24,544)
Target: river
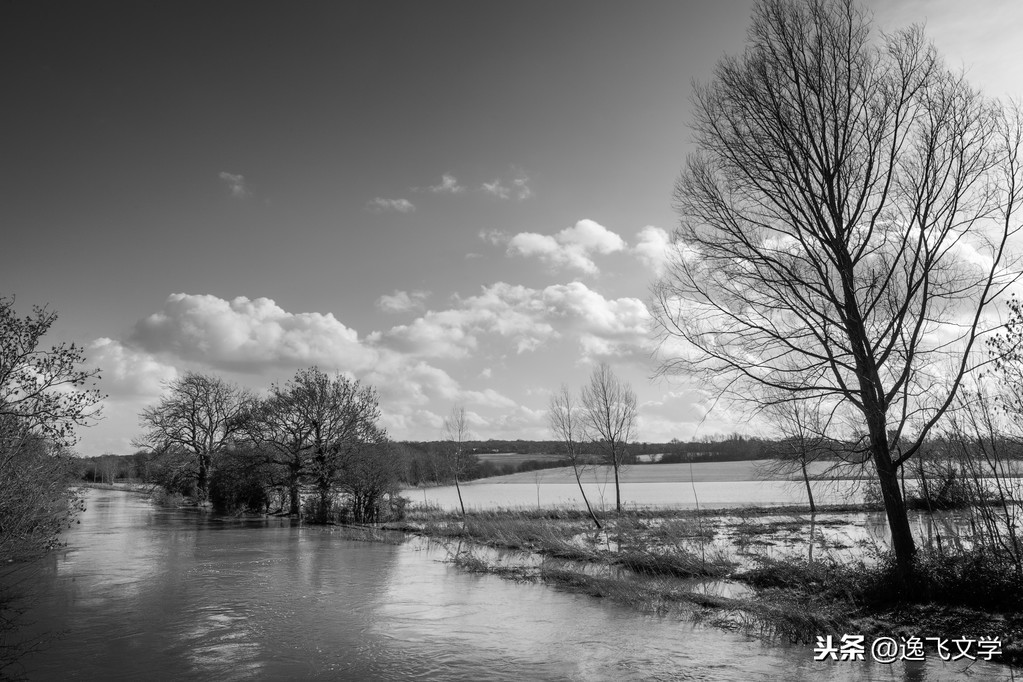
(143,592)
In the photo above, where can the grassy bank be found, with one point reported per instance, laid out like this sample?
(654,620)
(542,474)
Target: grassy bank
(776,573)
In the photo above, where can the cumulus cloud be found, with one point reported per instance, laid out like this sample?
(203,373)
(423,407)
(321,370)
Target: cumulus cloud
(246,334)
(652,247)
(501,309)
(448,185)
(129,371)
(402,301)
(236,184)
(570,248)
(528,318)
(400,205)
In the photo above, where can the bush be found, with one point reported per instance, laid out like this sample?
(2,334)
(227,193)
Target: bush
(37,501)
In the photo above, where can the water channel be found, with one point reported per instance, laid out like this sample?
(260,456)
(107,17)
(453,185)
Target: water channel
(143,592)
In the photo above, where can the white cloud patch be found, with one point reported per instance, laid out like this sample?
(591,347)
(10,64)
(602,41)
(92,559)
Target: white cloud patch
(570,248)
(402,301)
(528,318)
(496,189)
(128,371)
(651,247)
(502,309)
(516,187)
(448,185)
(258,343)
(400,205)
(247,334)
(236,184)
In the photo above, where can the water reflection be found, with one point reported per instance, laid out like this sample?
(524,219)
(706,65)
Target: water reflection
(146,593)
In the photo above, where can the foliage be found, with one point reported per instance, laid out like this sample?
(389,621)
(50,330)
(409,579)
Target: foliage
(243,481)
(44,395)
(37,500)
(44,389)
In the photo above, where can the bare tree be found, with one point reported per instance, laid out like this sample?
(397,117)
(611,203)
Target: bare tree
(843,228)
(280,425)
(457,429)
(199,414)
(609,410)
(564,420)
(341,415)
(803,427)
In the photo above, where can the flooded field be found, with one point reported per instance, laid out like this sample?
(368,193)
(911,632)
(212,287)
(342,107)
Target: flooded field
(142,592)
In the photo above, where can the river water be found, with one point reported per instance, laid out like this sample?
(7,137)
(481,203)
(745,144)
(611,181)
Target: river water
(148,593)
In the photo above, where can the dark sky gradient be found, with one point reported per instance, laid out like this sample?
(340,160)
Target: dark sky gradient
(118,120)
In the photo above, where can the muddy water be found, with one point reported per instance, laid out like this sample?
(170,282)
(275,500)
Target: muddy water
(158,594)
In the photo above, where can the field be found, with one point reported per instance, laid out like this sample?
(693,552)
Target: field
(681,473)
(515,459)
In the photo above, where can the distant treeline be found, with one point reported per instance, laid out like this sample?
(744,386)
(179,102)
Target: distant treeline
(423,461)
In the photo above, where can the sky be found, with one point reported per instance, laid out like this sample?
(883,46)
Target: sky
(458,203)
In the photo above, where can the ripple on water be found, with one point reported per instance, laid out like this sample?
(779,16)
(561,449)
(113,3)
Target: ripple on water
(174,596)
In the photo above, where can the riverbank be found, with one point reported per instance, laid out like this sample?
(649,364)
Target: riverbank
(777,573)
(139,488)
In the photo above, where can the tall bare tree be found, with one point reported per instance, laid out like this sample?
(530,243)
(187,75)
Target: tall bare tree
(199,414)
(843,227)
(565,423)
(456,426)
(609,412)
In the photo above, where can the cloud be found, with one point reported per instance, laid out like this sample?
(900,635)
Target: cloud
(236,183)
(520,185)
(528,319)
(448,185)
(256,342)
(249,334)
(402,301)
(128,371)
(502,310)
(517,187)
(652,247)
(400,205)
(496,189)
(570,248)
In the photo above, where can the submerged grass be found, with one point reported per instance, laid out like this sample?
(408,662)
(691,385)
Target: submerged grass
(670,563)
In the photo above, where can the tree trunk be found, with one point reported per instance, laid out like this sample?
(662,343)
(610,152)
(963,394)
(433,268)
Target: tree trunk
(202,484)
(324,501)
(294,491)
(296,500)
(458,489)
(618,490)
(589,509)
(809,492)
(894,507)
